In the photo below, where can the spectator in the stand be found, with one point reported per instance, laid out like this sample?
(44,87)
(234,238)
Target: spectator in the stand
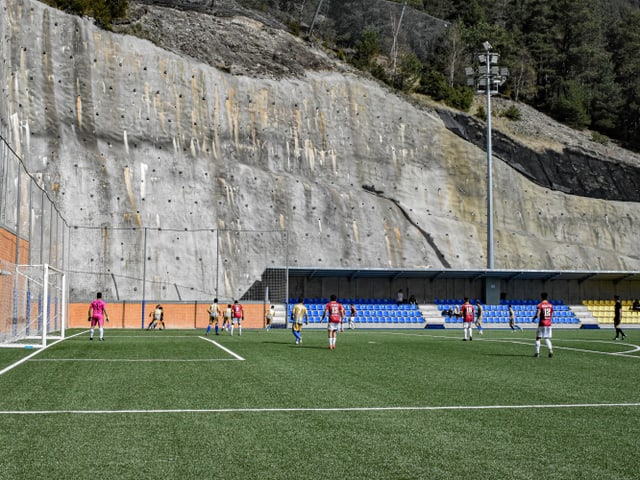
(400,297)
(412,300)
(617,317)
(636,305)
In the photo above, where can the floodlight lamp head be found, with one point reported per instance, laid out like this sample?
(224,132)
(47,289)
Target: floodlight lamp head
(486,46)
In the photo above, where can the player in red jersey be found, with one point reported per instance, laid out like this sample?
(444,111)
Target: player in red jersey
(544,314)
(468,313)
(335,311)
(237,313)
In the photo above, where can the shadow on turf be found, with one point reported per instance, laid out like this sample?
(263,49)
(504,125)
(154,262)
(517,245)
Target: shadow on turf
(508,355)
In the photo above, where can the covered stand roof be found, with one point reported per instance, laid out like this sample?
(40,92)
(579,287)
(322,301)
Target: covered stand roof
(437,274)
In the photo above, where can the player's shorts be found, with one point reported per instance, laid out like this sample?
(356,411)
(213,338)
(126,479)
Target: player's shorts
(237,320)
(333,326)
(543,332)
(213,319)
(297,327)
(97,321)
(467,324)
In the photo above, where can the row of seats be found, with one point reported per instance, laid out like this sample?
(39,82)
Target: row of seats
(365,306)
(375,320)
(523,311)
(383,311)
(345,301)
(569,320)
(603,310)
(505,303)
(591,302)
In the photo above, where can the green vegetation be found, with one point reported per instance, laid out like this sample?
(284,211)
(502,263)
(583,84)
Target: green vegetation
(103,11)
(576,60)
(512,113)
(384,404)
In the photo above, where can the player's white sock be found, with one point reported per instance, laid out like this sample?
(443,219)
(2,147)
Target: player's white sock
(239,329)
(231,330)
(101,332)
(91,333)
(549,346)
(537,346)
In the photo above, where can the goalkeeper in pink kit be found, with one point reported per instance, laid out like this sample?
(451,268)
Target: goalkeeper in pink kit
(97,315)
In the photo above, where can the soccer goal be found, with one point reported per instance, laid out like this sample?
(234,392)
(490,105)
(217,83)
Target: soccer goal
(33,306)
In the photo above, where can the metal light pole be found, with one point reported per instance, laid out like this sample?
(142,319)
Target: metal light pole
(488,77)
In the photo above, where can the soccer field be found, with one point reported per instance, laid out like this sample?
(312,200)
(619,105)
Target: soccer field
(382,405)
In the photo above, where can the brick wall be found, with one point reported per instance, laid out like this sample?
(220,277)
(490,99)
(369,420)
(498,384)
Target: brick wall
(176,315)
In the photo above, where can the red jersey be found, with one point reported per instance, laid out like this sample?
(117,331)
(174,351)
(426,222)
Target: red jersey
(236,308)
(468,312)
(335,310)
(544,313)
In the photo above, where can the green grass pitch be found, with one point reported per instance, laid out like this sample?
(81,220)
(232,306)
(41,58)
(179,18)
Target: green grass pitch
(385,404)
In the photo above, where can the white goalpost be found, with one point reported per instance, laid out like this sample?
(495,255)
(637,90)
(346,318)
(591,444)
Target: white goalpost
(33,305)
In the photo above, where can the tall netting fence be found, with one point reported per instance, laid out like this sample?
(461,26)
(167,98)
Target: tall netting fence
(33,246)
(186,265)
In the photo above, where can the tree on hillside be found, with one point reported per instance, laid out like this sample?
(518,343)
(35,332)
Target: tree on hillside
(626,60)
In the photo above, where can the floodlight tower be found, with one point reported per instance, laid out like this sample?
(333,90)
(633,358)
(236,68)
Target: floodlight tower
(487,78)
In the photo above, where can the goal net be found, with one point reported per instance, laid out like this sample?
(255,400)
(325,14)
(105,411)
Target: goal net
(33,305)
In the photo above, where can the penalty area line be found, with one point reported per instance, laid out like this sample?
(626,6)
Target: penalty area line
(233,354)
(322,410)
(37,352)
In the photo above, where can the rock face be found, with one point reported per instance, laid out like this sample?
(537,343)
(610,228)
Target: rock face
(201,174)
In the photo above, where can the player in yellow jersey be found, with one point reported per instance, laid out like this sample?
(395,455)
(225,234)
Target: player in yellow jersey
(299,314)
(214,316)
(269,316)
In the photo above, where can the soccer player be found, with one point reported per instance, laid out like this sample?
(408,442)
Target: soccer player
(467,311)
(352,317)
(298,315)
(97,315)
(335,312)
(270,315)
(617,317)
(237,316)
(479,317)
(512,320)
(228,315)
(544,313)
(214,316)
(157,317)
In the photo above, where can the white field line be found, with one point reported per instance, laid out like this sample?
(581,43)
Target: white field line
(233,354)
(633,348)
(323,410)
(140,360)
(40,350)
